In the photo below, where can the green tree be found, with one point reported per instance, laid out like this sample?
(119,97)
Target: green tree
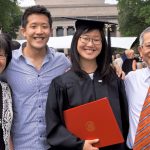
(134,16)
(10,14)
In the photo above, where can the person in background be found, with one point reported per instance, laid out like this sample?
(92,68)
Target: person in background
(15,45)
(6,113)
(91,77)
(118,60)
(29,75)
(137,84)
(129,63)
(139,64)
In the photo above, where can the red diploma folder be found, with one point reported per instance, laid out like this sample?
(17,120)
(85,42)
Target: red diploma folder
(94,120)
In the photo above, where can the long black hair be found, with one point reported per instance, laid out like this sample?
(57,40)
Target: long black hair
(103,59)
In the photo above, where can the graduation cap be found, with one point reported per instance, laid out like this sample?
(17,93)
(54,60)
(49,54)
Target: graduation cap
(95,24)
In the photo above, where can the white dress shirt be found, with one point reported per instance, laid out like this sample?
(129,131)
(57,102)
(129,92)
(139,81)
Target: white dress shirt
(136,85)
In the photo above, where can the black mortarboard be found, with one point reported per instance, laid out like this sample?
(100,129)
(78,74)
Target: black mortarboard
(89,22)
(85,22)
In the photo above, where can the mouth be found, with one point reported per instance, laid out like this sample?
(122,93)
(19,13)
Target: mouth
(90,50)
(39,38)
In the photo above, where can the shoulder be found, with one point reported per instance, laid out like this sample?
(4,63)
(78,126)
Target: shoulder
(58,56)
(5,89)
(134,78)
(139,73)
(6,94)
(68,77)
(4,85)
(55,53)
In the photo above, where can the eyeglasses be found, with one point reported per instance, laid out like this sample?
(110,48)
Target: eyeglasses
(86,40)
(2,56)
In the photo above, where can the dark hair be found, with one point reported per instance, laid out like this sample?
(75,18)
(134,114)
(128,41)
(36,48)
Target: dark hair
(37,9)
(5,45)
(103,59)
(15,45)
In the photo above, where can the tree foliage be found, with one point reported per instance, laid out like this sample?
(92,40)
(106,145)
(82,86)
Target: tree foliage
(10,14)
(134,16)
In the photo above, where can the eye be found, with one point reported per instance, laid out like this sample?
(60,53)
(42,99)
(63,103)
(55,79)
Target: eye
(86,38)
(96,40)
(148,46)
(45,27)
(2,55)
(33,26)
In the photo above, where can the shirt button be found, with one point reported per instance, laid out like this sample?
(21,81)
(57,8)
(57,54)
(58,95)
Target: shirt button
(38,75)
(39,90)
(39,106)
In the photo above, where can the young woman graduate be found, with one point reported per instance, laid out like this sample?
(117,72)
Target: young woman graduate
(90,64)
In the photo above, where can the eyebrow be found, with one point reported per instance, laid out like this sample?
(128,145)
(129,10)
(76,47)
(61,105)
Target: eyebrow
(147,43)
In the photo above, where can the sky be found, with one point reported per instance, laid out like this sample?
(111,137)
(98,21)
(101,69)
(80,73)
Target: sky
(26,3)
(110,1)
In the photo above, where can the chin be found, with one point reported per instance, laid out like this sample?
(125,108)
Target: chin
(39,47)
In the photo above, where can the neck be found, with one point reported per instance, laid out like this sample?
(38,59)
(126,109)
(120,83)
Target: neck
(35,56)
(34,53)
(88,66)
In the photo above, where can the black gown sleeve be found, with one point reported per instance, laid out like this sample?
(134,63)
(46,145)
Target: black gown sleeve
(124,109)
(57,135)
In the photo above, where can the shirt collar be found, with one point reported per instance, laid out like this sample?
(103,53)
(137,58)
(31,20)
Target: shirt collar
(19,53)
(147,74)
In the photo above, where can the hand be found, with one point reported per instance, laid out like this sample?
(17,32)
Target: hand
(118,71)
(88,145)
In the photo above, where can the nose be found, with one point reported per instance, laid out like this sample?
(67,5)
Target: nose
(39,30)
(90,42)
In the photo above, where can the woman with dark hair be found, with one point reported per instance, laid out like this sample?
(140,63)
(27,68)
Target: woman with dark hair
(6,113)
(90,78)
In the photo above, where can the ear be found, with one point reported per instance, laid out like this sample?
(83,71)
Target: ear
(23,31)
(140,50)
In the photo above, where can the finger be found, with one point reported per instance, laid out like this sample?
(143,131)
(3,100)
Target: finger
(95,148)
(93,141)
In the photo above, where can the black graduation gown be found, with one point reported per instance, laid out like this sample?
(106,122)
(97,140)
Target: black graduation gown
(70,90)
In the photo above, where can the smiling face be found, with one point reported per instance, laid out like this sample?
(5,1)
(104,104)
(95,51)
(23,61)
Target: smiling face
(37,31)
(144,49)
(2,60)
(89,45)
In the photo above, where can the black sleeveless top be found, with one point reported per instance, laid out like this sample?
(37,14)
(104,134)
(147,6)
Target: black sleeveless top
(2,145)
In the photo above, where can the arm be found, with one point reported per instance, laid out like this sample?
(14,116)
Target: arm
(124,109)
(120,73)
(11,144)
(57,134)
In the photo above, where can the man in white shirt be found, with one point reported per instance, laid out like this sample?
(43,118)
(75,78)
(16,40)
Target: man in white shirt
(137,84)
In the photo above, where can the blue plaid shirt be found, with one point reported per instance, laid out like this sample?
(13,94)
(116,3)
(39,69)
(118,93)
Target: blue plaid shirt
(30,89)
